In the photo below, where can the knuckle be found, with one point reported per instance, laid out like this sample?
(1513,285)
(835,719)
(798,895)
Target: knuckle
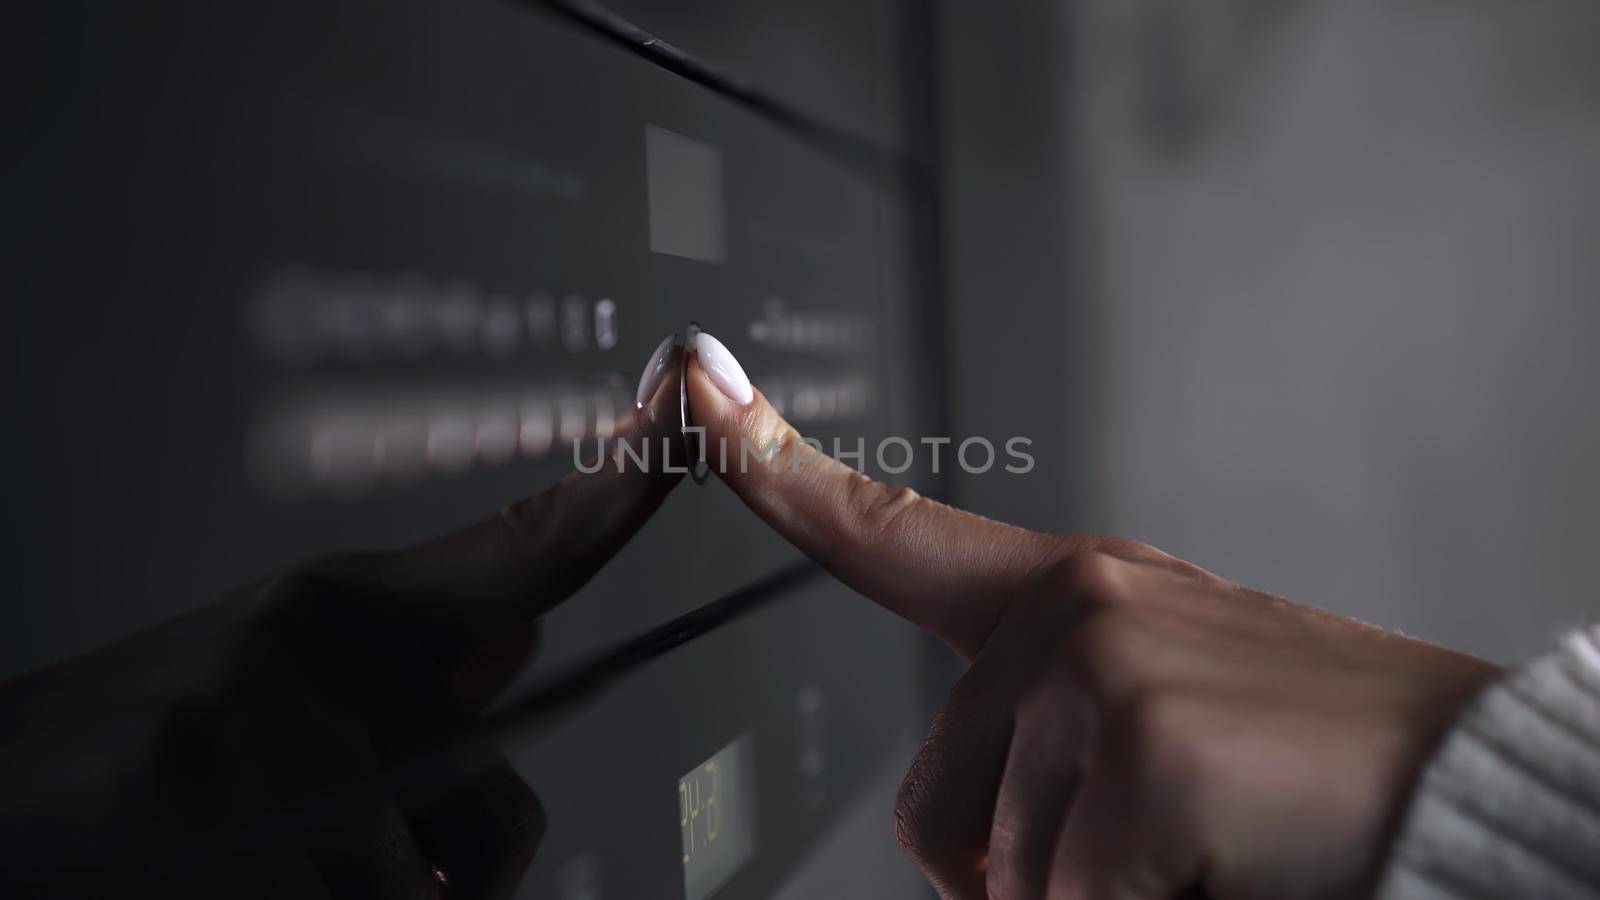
(1090,576)
(759,442)
(1108,651)
(1134,716)
(526,518)
(1104,639)
(762,420)
(880,507)
(1143,728)
(776,445)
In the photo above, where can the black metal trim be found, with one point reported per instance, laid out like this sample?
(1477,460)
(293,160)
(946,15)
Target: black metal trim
(879,162)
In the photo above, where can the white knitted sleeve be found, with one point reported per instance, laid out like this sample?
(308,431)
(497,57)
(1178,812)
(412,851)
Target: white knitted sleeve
(1509,807)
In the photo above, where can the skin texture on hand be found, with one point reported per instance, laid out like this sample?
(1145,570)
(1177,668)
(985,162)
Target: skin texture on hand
(1131,727)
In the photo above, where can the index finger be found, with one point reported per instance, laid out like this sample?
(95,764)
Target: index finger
(948,571)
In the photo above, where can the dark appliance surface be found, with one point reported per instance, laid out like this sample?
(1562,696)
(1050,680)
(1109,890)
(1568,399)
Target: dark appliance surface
(301,278)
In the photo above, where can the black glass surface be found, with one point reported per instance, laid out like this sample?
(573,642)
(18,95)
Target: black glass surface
(304,279)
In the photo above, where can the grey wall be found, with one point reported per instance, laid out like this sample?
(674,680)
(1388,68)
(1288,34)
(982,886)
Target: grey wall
(1331,296)
(1017,357)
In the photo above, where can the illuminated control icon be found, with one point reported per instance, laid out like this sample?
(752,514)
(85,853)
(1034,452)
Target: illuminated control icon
(540,312)
(456,318)
(501,326)
(605,324)
(815,332)
(354,442)
(811,748)
(498,435)
(302,315)
(572,419)
(574,322)
(401,449)
(451,443)
(536,429)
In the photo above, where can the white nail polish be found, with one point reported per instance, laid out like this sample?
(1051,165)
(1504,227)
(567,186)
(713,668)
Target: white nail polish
(654,371)
(725,371)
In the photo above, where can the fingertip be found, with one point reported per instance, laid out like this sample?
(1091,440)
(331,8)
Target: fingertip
(723,368)
(710,405)
(655,371)
(705,401)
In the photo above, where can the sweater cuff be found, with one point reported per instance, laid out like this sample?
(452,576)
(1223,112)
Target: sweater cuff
(1509,806)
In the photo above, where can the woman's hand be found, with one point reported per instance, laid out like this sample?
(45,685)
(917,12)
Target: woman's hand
(1131,726)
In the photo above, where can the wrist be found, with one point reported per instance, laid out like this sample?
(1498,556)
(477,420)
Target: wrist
(1508,804)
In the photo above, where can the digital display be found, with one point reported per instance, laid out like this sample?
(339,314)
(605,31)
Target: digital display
(717,818)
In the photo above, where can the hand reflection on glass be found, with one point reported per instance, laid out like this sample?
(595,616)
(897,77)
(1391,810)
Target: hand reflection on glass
(311,735)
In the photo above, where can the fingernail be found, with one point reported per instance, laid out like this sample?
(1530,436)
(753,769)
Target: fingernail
(725,371)
(654,371)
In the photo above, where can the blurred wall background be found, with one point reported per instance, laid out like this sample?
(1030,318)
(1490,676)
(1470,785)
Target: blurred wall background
(1310,288)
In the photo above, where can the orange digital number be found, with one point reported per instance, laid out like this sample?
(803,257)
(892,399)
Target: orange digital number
(683,816)
(713,807)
